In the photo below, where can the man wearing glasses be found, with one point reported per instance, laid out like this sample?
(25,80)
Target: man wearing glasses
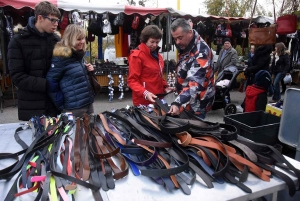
(195,75)
(29,59)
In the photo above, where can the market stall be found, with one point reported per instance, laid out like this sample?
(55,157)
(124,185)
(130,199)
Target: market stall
(87,12)
(206,25)
(140,153)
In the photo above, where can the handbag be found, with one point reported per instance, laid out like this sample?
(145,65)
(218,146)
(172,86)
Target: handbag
(95,25)
(94,83)
(287,79)
(262,36)
(223,32)
(135,22)
(90,37)
(64,21)
(228,31)
(286,24)
(119,19)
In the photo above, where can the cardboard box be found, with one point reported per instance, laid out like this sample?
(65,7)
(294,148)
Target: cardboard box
(273,110)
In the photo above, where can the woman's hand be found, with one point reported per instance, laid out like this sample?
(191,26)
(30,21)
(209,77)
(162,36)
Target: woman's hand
(150,97)
(89,67)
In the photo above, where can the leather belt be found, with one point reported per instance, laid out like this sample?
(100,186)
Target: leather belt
(169,171)
(171,125)
(186,139)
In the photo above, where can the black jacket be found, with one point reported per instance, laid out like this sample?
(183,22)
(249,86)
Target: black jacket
(282,65)
(260,60)
(29,58)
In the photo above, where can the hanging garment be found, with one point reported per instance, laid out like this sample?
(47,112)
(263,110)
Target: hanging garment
(118,42)
(121,43)
(125,45)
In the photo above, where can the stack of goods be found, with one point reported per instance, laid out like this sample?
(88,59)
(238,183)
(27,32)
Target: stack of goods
(170,150)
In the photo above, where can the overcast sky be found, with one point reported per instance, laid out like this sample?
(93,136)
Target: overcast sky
(197,6)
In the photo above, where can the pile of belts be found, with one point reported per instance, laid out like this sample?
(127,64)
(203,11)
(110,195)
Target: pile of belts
(101,149)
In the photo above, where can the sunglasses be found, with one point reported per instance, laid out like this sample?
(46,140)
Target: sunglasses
(52,20)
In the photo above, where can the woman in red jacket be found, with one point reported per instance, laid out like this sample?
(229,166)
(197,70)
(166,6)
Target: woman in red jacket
(146,67)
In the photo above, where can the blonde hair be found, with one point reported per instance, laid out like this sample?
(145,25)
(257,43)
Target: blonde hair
(71,34)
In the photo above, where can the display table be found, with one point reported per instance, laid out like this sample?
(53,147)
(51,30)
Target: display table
(143,188)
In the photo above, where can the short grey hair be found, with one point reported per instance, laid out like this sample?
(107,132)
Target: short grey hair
(181,22)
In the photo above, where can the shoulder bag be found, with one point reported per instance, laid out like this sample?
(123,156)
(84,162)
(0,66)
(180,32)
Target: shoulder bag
(262,36)
(94,83)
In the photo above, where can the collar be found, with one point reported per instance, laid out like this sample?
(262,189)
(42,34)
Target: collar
(144,48)
(227,49)
(31,27)
(78,54)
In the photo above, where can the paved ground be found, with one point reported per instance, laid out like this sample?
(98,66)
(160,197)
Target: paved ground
(10,112)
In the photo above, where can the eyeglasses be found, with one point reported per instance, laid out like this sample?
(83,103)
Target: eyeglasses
(52,20)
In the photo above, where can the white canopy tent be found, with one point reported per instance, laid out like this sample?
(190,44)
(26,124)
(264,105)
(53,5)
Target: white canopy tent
(93,5)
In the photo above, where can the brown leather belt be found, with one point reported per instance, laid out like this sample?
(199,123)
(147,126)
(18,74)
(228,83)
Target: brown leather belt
(186,139)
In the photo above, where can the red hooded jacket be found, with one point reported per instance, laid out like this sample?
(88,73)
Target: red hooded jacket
(145,74)
(256,99)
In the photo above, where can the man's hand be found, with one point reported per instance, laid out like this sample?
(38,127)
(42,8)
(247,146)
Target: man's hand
(151,97)
(169,89)
(89,67)
(174,110)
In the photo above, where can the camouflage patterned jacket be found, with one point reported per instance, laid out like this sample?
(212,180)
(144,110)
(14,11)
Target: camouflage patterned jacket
(195,77)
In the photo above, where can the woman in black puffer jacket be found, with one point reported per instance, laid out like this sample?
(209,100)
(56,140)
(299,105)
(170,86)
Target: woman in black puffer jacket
(280,67)
(260,61)
(68,82)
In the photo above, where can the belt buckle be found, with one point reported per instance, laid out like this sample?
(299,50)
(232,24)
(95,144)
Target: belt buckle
(25,126)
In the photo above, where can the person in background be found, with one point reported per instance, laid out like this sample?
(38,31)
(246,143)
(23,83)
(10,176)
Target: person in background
(256,95)
(29,58)
(146,66)
(280,67)
(68,79)
(260,61)
(250,55)
(227,57)
(283,85)
(195,74)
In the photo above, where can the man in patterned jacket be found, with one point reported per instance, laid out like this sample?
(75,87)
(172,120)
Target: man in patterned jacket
(195,74)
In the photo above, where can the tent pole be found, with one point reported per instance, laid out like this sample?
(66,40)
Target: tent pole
(100,43)
(167,44)
(90,52)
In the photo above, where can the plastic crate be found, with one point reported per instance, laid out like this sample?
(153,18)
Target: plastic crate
(257,126)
